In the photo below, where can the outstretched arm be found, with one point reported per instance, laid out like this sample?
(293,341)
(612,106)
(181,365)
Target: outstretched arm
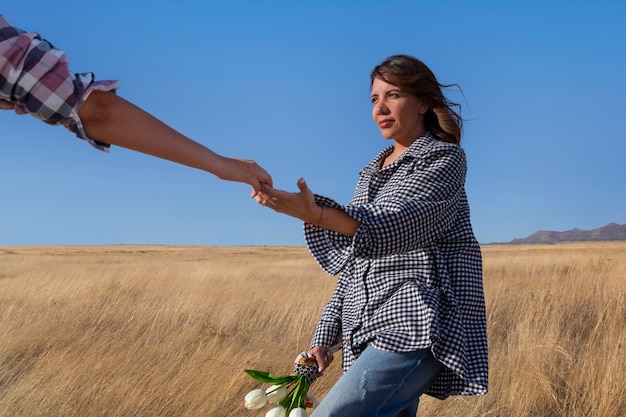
(35,79)
(109,118)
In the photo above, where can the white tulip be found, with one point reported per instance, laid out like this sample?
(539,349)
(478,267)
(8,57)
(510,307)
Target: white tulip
(276,411)
(276,394)
(255,399)
(298,412)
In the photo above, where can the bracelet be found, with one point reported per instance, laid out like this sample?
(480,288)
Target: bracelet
(321,214)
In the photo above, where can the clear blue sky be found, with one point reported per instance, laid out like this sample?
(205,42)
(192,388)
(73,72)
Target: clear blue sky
(286,83)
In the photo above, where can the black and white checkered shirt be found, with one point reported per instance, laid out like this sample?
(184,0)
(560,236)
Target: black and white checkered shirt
(411,277)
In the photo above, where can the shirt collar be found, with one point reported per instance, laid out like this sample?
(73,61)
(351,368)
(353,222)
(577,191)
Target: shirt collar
(417,147)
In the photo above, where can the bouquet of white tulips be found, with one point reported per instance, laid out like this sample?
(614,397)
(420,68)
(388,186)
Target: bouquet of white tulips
(289,394)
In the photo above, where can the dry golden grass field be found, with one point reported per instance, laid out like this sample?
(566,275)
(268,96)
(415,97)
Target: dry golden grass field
(167,331)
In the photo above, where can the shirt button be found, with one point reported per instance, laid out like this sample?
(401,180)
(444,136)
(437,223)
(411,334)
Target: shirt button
(358,316)
(362,286)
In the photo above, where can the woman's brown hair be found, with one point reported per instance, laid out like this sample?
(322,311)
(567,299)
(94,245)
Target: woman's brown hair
(413,76)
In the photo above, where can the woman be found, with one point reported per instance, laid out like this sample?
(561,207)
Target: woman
(35,79)
(409,305)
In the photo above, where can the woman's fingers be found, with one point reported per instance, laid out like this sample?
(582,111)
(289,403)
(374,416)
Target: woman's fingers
(323,356)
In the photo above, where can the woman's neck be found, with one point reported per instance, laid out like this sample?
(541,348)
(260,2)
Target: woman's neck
(399,146)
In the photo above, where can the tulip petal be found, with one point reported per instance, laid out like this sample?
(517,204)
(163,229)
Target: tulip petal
(255,399)
(276,393)
(276,411)
(298,412)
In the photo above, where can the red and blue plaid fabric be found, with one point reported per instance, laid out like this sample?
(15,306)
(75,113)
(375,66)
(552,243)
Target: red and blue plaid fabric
(35,79)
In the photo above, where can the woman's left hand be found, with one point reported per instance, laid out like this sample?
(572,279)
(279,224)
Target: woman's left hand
(323,356)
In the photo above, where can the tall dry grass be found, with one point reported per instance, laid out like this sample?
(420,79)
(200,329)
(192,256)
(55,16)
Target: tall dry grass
(167,331)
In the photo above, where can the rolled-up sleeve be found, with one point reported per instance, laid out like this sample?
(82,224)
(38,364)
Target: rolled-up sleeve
(35,79)
(332,250)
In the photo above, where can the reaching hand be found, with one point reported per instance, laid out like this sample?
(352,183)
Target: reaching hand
(300,205)
(248,171)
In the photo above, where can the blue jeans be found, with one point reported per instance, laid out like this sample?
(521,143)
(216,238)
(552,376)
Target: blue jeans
(381,384)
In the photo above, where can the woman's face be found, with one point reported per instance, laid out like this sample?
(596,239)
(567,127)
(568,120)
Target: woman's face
(398,115)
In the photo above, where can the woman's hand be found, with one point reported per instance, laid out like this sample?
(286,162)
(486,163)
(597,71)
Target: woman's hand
(324,356)
(300,205)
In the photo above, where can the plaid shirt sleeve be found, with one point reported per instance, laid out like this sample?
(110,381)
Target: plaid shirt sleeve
(35,79)
(328,329)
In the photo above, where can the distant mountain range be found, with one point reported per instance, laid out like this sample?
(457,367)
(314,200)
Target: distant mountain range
(610,232)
